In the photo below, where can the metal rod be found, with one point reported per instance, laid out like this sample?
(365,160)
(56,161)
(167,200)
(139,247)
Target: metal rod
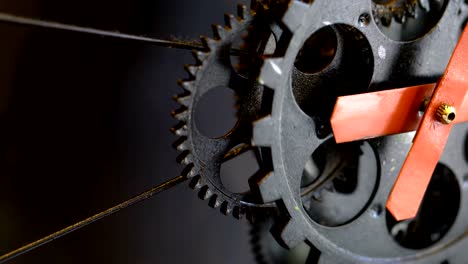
(141,197)
(236,152)
(172,43)
(179,44)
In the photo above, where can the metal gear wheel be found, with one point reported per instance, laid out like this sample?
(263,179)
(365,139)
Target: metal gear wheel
(362,59)
(201,155)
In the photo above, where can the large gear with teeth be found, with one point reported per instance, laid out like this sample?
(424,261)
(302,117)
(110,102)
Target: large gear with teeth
(201,155)
(363,60)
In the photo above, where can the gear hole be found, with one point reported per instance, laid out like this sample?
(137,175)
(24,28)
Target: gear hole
(336,60)
(236,172)
(436,215)
(339,181)
(216,113)
(451,116)
(318,51)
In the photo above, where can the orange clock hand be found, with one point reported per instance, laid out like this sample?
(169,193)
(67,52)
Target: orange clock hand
(384,113)
(431,136)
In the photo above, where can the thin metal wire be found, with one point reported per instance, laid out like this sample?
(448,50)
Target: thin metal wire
(172,43)
(141,197)
(179,44)
(236,152)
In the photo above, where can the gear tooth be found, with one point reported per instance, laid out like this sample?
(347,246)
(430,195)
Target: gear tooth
(180,114)
(182,156)
(196,183)
(205,193)
(257,238)
(183,99)
(181,144)
(271,72)
(179,141)
(329,187)
(295,15)
(306,203)
(227,20)
(256,5)
(262,128)
(289,235)
(250,215)
(226,208)
(192,70)
(400,17)
(180,129)
(185,158)
(200,56)
(425,5)
(189,171)
(242,11)
(214,202)
(238,212)
(232,21)
(209,43)
(317,195)
(219,32)
(187,85)
(266,185)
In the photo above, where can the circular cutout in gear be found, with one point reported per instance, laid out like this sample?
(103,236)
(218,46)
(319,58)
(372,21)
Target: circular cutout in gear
(235,172)
(318,51)
(335,60)
(339,182)
(215,112)
(436,215)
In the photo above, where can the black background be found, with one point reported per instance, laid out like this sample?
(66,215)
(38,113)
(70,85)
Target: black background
(84,124)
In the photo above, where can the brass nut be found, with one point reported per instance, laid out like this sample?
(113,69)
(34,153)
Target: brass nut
(445,114)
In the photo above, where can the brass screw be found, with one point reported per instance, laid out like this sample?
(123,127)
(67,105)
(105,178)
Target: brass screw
(445,114)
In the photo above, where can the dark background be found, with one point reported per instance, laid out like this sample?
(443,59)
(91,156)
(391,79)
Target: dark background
(84,124)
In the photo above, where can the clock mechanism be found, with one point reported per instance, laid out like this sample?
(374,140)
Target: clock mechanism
(345,124)
(348,108)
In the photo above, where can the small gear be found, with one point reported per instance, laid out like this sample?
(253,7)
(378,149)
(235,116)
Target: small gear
(386,10)
(298,126)
(201,155)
